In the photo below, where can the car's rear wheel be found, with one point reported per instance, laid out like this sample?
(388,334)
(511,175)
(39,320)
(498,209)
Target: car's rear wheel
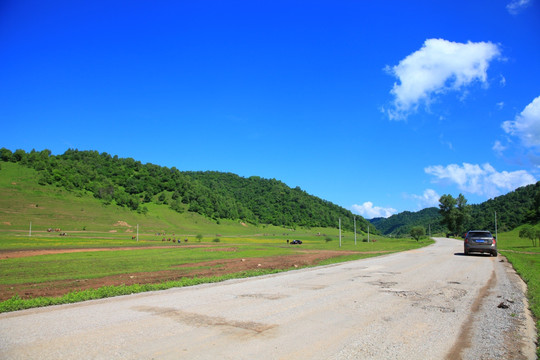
(494,253)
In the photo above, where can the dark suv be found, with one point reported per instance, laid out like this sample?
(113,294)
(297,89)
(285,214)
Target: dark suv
(480,241)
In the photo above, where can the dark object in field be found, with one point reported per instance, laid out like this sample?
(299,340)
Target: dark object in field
(296,242)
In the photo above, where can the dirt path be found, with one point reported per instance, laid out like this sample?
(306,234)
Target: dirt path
(7,254)
(411,305)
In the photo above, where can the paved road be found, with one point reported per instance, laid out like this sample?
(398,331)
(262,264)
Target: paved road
(411,305)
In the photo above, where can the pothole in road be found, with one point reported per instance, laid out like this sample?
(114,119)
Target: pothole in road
(383,284)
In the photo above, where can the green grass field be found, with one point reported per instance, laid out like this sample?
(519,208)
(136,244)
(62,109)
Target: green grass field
(525,259)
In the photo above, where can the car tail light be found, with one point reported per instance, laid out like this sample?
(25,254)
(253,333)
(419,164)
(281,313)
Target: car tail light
(494,241)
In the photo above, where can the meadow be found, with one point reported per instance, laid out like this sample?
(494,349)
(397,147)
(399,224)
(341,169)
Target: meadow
(40,270)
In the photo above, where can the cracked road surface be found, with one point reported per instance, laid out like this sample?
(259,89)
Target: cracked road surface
(410,305)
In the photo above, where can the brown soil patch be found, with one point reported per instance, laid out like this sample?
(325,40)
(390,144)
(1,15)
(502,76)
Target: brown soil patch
(202,269)
(122,223)
(7,254)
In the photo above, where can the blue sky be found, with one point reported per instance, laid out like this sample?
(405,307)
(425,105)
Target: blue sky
(379,107)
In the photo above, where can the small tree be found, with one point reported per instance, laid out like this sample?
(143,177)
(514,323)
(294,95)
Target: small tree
(417,232)
(529,232)
(199,237)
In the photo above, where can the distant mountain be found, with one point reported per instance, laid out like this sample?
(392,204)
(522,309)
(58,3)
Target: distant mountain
(133,185)
(513,209)
(401,224)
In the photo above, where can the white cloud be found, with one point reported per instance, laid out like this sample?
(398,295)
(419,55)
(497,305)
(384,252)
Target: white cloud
(515,6)
(439,66)
(481,180)
(369,211)
(500,105)
(527,125)
(428,199)
(498,147)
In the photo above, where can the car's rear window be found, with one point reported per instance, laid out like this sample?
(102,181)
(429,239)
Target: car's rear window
(480,234)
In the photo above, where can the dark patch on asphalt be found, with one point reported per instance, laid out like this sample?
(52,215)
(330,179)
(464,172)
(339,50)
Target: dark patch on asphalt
(201,320)
(264,296)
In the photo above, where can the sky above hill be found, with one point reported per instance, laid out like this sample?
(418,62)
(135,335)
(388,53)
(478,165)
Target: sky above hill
(379,107)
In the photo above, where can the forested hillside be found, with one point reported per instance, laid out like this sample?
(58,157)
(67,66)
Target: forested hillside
(513,209)
(402,223)
(129,183)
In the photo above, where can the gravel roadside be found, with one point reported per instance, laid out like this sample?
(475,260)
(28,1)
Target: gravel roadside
(503,318)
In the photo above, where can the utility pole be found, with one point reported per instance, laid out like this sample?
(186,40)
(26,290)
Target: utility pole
(137,232)
(496,238)
(355,230)
(339,232)
(30,232)
(368,233)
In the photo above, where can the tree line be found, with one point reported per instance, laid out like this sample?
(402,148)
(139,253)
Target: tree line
(454,215)
(216,195)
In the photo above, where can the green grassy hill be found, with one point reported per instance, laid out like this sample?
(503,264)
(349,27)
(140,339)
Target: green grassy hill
(23,201)
(141,188)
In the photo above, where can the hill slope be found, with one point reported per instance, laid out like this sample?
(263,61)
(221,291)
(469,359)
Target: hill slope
(513,209)
(217,196)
